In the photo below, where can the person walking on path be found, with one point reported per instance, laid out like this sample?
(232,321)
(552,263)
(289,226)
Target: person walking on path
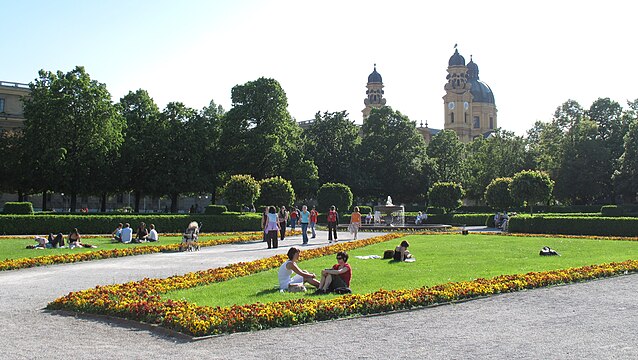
(304,218)
(283,221)
(333,221)
(272,228)
(294,216)
(313,221)
(355,222)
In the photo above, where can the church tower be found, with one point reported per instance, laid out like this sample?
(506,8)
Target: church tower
(374,93)
(469,106)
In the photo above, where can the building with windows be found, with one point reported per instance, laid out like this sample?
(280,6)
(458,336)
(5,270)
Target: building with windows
(11,108)
(468,104)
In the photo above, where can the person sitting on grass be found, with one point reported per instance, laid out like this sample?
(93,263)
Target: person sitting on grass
(56,241)
(295,283)
(401,252)
(74,239)
(42,243)
(338,277)
(152,235)
(142,233)
(117,233)
(127,234)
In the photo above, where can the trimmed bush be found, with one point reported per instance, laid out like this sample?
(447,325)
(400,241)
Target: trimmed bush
(241,190)
(215,209)
(335,194)
(276,191)
(17,208)
(586,225)
(446,195)
(611,210)
(105,224)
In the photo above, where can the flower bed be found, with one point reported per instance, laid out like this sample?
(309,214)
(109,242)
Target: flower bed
(141,300)
(11,264)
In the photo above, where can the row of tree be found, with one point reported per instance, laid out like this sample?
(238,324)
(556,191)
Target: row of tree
(77,141)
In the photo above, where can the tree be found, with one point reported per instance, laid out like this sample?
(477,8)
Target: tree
(335,194)
(584,173)
(305,178)
(626,178)
(532,187)
(140,158)
(497,194)
(182,153)
(209,130)
(446,195)
(13,173)
(79,114)
(331,142)
(241,190)
(568,114)
(447,152)
(258,135)
(501,155)
(393,157)
(276,191)
(546,144)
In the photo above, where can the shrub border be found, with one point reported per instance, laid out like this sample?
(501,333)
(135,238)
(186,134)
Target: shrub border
(141,301)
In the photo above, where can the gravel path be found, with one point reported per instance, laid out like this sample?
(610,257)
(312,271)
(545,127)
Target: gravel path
(594,320)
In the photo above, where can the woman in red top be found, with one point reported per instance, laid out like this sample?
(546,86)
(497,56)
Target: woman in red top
(313,221)
(337,277)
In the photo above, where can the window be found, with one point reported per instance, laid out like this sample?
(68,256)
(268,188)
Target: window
(491,122)
(477,122)
(451,117)
(466,118)
(1,105)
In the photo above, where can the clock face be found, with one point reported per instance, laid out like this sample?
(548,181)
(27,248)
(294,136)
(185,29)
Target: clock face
(451,106)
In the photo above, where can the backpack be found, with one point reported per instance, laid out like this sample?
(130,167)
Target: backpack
(332,216)
(388,254)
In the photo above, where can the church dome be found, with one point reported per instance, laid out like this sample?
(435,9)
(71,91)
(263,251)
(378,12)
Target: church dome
(481,92)
(456,59)
(375,77)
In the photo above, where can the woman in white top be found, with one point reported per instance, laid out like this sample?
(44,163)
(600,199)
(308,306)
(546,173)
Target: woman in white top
(295,283)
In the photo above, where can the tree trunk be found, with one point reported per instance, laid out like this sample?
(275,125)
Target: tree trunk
(20,196)
(174,198)
(103,203)
(138,195)
(44,200)
(74,201)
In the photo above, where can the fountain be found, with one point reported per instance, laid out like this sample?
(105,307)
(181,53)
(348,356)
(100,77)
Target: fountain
(389,214)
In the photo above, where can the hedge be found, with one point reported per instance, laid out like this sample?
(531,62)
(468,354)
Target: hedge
(18,208)
(584,225)
(105,224)
(215,209)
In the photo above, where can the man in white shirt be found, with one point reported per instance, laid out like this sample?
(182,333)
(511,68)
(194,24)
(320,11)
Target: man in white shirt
(152,236)
(127,233)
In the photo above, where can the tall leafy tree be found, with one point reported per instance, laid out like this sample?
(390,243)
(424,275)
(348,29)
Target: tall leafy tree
(447,152)
(545,144)
(626,177)
(501,155)
(14,174)
(393,156)
(140,160)
(209,130)
(331,142)
(182,154)
(78,114)
(258,135)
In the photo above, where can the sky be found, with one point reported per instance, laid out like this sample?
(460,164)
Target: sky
(534,55)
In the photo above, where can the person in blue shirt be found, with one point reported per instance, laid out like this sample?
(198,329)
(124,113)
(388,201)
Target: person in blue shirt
(304,219)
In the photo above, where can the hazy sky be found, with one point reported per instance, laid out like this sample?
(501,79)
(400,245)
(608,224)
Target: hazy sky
(534,55)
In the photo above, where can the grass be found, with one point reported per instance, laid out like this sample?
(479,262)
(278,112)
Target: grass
(440,259)
(15,248)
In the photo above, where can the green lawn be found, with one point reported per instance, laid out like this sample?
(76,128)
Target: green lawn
(439,259)
(11,248)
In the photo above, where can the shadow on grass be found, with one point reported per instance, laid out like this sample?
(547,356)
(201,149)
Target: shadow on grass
(273,290)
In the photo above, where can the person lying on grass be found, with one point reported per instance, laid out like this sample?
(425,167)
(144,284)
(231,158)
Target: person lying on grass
(296,283)
(338,277)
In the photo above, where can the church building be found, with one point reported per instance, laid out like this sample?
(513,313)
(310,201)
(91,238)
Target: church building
(468,105)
